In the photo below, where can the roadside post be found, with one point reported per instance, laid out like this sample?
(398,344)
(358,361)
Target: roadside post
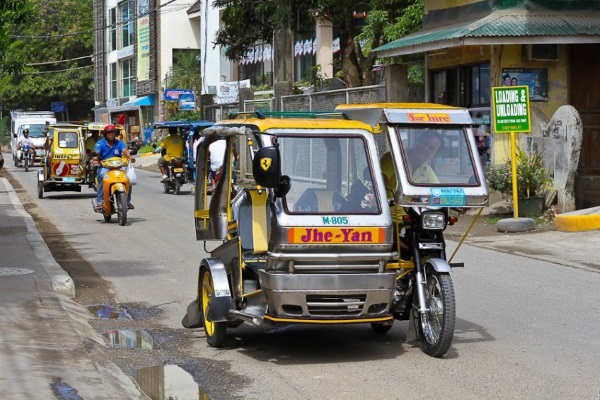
(510,111)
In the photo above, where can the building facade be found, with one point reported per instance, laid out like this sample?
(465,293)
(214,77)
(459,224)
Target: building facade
(470,46)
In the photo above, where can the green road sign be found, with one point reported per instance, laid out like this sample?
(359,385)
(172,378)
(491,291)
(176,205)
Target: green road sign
(510,109)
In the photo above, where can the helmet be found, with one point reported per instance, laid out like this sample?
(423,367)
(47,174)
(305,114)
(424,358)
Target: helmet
(25,131)
(109,128)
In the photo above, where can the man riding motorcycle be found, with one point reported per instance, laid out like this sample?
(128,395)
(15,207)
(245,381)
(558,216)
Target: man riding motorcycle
(172,147)
(26,141)
(105,148)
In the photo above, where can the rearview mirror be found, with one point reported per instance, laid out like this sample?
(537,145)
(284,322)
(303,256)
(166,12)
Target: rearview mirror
(266,167)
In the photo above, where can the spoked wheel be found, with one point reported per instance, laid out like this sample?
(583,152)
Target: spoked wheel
(177,188)
(437,324)
(215,331)
(40,190)
(121,207)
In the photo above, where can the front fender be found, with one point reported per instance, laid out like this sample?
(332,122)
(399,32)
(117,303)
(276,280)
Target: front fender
(439,264)
(117,187)
(221,301)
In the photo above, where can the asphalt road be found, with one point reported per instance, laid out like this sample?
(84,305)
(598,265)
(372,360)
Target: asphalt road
(526,329)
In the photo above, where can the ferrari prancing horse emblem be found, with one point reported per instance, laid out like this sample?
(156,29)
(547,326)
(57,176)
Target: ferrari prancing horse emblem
(265,163)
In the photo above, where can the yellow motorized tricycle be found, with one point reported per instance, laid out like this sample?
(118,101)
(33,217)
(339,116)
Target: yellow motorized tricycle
(64,164)
(309,236)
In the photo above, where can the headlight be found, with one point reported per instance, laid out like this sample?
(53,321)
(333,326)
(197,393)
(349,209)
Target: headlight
(433,220)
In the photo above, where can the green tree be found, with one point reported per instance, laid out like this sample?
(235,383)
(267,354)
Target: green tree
(55,48)
(11,12)
(247,22)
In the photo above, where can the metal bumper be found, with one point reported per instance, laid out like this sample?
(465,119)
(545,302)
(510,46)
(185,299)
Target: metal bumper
(332,296)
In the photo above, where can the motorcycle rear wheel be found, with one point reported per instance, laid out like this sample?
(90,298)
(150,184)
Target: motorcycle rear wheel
(40,190)
(216,332)
(177,188)
(121,207)
(437,324)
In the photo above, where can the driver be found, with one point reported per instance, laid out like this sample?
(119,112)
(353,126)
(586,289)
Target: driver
(105,148)
(172,147)
(26,141)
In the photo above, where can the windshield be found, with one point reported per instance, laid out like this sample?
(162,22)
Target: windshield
(67,140)
(329,175)
(35,130)
(438,156)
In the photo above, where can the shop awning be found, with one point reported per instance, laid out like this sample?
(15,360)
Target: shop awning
(141,101)
(511,26)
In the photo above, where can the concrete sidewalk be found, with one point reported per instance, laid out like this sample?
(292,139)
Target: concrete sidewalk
(47,347)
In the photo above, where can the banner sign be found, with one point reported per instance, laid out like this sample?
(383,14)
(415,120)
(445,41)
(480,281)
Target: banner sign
(174,94)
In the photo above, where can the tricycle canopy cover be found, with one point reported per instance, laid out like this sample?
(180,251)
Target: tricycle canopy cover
(431,156)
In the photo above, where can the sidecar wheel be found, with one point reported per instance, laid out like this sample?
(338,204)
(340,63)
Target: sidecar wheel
(121,206)
(165,188)
(215,331)
(437,325)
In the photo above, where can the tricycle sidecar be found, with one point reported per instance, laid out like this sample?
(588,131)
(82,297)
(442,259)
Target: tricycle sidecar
(307,239)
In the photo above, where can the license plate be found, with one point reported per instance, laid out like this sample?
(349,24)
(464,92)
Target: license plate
(448,197)
(68,179)
(177,169)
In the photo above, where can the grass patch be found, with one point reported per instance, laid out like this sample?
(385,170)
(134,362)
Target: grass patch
(146,149)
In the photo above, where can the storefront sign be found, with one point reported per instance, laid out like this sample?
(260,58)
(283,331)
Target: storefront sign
(510,109)
(535,78)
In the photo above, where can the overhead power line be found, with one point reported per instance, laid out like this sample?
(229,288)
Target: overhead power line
(58,61)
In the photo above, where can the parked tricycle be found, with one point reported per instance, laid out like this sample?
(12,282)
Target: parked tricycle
(311,237)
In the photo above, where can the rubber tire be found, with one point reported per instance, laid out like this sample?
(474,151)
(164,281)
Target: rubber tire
(381,328)
(107,218)
(40,190)
(216,332)
(439,284)
(121,207)
(26,163)
(177,186)
(165,188)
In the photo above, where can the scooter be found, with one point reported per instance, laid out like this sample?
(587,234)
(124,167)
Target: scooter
(115,190)
(178,172)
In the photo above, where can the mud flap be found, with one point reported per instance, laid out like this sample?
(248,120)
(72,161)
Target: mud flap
(193,317)
(412,334)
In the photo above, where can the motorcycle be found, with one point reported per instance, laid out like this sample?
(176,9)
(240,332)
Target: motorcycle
(27,156)
(115,190)
(178,175)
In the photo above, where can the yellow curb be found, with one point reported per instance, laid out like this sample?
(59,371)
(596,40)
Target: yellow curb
(577,223)
(145,154)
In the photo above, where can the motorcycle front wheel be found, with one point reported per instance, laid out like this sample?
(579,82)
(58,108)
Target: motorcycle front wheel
(26,163)
(437,324)
(121,207)
(215,331)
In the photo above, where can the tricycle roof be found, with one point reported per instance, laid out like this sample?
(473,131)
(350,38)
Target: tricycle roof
(406,113)
(263,125)
(183,124)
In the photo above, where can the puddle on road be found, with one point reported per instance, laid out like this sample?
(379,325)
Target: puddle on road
(165,382)
(105,311)
(63,391)
(130,339)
